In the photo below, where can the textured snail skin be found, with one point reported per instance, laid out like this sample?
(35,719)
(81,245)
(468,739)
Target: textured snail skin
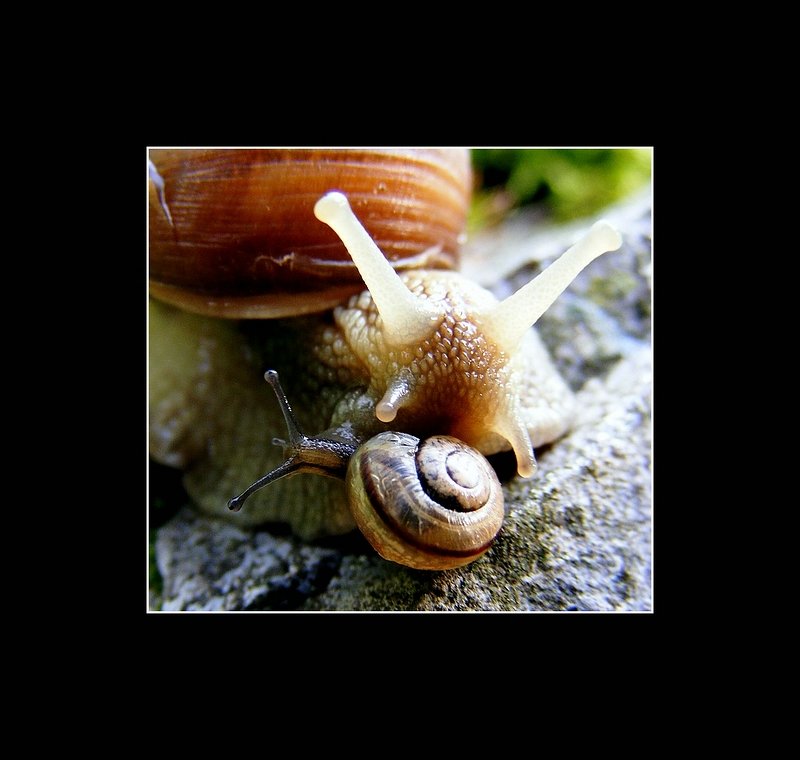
(457,381)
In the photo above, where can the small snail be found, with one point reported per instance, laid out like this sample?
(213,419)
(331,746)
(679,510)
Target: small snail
(412,380)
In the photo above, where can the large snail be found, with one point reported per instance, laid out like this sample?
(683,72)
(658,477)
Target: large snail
(412,381)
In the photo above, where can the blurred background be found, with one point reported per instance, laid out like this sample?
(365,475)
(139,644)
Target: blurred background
(563,183)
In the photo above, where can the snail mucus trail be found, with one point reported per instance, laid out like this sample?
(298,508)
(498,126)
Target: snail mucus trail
(444,318)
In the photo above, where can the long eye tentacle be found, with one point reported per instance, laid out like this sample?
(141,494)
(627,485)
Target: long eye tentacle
(406,318)
(326,454)
(513,317)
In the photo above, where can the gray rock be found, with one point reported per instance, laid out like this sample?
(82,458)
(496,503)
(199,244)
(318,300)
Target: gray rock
(577,536)
(209,565)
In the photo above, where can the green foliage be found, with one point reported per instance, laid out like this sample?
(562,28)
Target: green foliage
(569,182)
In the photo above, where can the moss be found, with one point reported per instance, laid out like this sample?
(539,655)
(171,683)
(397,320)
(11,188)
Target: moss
(568,182)
(613,289)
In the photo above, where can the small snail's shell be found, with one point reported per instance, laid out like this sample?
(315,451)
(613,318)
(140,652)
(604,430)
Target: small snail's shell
(430,505)
(232,232)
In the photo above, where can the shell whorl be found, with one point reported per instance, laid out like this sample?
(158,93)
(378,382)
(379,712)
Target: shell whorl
(431,505)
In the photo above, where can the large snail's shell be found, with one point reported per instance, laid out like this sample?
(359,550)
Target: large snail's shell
(233,233)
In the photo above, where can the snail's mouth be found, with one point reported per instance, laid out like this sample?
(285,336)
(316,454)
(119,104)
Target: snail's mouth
(492,432)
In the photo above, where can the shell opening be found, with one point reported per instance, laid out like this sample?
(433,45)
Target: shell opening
(508,322)
(406,318)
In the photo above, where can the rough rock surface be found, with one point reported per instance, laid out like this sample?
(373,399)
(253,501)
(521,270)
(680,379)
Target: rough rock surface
(577,536)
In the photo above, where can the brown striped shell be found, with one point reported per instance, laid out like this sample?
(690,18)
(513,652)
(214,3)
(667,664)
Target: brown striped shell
(231,232)
(432,504)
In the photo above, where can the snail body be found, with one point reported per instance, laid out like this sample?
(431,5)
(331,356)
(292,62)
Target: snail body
(425,353)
